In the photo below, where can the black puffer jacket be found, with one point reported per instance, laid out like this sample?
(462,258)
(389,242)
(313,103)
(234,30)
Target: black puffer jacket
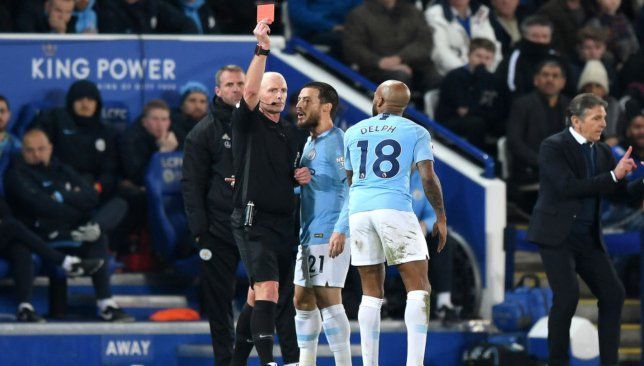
(51,200)
(86,144)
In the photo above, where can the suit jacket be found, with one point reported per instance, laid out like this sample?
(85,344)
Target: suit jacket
(563,185)
(527,127)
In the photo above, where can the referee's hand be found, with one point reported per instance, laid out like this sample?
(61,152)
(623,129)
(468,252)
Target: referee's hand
(336,244)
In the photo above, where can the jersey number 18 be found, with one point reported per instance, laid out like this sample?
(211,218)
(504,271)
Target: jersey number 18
(381,157)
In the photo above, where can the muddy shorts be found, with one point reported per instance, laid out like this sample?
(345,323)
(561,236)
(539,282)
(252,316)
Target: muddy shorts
(386,235)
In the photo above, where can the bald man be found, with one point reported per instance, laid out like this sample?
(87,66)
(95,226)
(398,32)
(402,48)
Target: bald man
(382,223)
(265,151)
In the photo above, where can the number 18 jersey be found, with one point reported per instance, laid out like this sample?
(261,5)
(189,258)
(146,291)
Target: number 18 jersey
(381,151)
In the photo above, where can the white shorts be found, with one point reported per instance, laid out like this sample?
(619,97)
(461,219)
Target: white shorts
(391,235)
(314,267)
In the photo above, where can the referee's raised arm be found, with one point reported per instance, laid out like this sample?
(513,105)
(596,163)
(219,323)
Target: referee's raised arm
(257,65)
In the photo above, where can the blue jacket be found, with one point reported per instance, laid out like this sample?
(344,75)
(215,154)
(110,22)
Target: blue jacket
(314,16)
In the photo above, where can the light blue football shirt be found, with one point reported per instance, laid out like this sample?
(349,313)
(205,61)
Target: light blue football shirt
(381,151)
(324,201)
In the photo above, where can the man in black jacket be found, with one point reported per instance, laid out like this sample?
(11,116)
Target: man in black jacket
(469,101)
(58,204)
(81,139)
(533,117)
(49,16)
(192,109)
(576,171)
(142,17)
(208,197)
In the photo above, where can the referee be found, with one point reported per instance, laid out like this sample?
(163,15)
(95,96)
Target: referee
(264,155)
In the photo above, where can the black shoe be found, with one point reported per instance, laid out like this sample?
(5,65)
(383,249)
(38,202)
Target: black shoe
(29,316)
(86,267)
(116,315)
(448,315)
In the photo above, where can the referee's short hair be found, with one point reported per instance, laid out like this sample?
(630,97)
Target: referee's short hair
(580,104)
(327,94)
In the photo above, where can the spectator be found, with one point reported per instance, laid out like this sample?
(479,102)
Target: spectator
(505,20)
(56,17)
(321,21)
(8,142)
(592,46)
(193,107)
(200,13)
(237,16)
(382,54)
(567,17)
(454,23)
(594,79)
(57,204)
(142,17)
(629,215)
(16,244)
(81,139)
(517,71)
(533,117)
(6,23)
(631,79)
(144,138)
(85,16)
(468,102)
(622,42)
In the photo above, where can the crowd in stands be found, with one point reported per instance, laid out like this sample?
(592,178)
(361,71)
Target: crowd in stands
(503,70)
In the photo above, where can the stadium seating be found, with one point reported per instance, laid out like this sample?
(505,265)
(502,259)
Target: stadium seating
(166,215)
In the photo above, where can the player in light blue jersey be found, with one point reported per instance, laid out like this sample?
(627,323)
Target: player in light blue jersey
(322,261)
(379,154)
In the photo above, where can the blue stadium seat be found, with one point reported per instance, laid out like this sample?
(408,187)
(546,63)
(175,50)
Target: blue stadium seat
(166,216)
(27,113)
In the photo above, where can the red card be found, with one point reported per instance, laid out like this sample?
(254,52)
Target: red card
(266,11)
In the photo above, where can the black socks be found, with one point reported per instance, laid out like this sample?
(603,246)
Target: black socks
(243,337)
(262,325)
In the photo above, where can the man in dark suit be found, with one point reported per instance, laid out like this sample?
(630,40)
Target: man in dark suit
(576,170)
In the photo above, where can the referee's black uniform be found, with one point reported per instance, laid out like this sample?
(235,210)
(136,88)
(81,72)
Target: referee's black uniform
(208,200)
(267,247)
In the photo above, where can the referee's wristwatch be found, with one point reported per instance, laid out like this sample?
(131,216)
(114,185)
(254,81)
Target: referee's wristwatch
(259,51)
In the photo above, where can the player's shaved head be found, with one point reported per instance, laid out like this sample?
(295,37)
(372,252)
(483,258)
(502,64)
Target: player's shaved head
(392,96)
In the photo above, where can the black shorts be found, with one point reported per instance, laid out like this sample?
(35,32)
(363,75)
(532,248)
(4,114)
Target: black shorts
(268,248)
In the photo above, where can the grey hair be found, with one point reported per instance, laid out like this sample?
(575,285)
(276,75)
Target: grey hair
(580,104)
(533,20)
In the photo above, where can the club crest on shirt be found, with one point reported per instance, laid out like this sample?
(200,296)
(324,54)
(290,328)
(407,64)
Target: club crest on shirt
(226,139)
(100,145)
(205,254)
(311,154)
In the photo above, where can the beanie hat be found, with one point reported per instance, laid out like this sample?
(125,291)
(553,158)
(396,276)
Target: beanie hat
(594,72)
(192,87)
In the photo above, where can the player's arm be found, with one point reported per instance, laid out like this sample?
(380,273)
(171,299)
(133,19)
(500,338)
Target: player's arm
(257,66)
(434,193)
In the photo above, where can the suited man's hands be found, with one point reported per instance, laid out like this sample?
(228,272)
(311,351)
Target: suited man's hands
(625,165)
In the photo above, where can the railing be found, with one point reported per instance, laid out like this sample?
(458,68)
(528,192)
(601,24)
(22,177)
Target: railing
(484,159)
